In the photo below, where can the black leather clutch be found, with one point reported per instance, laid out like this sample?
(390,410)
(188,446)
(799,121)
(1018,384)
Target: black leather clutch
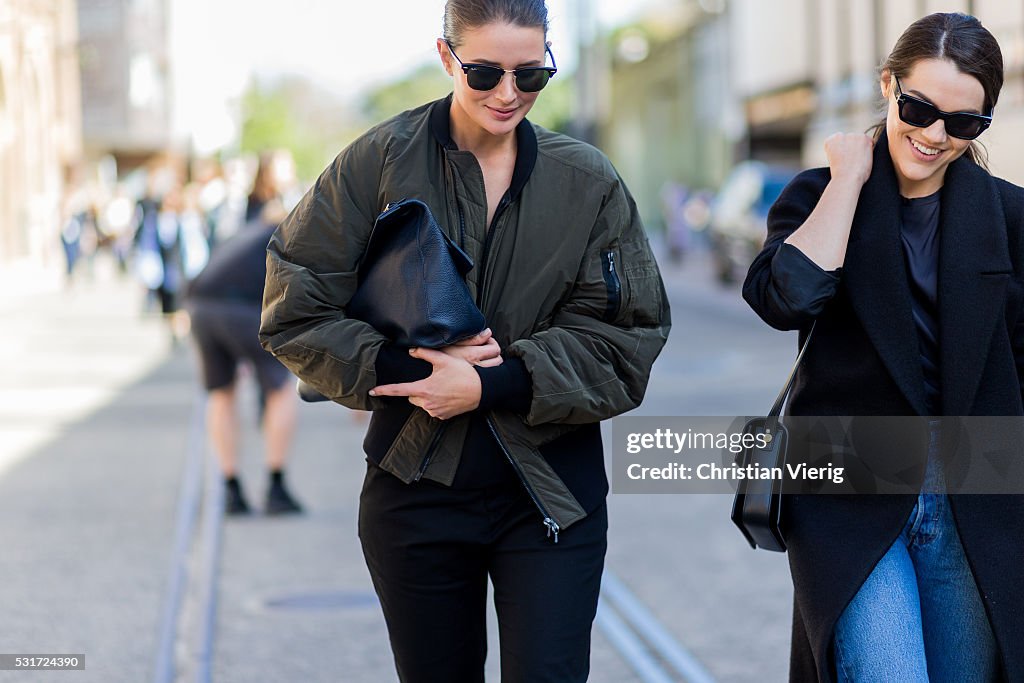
(412,284)
(411,281)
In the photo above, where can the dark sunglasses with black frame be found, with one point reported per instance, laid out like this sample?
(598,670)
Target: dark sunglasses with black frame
(487,77)
(963,125)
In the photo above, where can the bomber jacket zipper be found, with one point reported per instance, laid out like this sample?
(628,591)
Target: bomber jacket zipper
(502,205)
(431,449)
(462,225)
(549,521)
(612,282)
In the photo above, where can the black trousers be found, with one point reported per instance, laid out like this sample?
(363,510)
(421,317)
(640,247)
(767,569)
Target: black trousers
(430,549)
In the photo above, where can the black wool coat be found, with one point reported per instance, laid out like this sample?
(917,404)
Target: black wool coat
(864,360)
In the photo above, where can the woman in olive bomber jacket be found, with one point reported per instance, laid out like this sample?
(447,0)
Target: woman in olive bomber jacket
(574,300)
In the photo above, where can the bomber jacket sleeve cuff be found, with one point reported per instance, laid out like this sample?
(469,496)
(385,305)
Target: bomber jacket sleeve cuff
(506,386)
(395,366)
(801,286)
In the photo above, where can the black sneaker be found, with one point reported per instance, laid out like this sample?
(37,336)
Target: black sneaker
(234,500)
(280,502)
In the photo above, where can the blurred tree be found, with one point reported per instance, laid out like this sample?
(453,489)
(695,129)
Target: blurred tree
(427,82)
(553,109)
(294,114)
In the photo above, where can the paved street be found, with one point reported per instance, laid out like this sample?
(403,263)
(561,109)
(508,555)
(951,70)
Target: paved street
(109,550)
(681,555)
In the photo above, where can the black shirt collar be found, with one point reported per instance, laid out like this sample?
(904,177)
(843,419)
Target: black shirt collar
(526,143)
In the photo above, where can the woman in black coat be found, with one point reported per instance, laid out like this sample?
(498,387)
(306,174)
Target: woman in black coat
(908,255)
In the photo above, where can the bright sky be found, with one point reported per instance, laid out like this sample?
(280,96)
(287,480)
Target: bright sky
(345,45)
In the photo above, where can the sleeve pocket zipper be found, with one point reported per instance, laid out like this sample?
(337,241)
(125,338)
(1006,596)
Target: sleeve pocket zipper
(612,283)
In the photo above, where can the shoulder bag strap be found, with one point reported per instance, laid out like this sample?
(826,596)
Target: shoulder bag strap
(780,402)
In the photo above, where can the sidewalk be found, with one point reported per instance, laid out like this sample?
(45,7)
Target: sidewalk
(68,350)
(88,472)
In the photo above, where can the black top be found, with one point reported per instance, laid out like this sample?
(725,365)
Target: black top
(237,269)
(802,287)
(919,232)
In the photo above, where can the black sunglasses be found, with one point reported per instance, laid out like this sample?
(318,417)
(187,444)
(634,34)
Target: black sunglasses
(486,77)
(921,114)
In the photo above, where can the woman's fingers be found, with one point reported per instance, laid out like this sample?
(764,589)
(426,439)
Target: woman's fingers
(486,351)
(479,339)
(850,155)
(452,389)
(406,389)
(476,354)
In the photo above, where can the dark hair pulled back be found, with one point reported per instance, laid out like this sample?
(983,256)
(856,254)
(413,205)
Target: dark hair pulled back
(961,39)
(460,15)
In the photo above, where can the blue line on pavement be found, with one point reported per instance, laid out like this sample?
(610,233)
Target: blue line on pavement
(188,509)
(652,631)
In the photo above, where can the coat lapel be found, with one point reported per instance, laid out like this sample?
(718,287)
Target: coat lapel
(876,279)
(974,270)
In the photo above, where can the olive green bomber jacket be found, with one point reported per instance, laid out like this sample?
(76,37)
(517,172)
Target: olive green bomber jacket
(569,285)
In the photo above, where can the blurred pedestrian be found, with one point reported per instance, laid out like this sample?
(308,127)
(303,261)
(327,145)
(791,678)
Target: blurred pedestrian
(71,240)
(224,304)
(156,257)
(264,186)
(78,230)
(484,457)
(900,252)
(195,241)
(116,218)
(677,231)
(212,197)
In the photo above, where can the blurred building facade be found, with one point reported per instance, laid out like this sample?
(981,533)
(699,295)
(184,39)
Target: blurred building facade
(698,85)
(671,113)
(126,79)
(40,122)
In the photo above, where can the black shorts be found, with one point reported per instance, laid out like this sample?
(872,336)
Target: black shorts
(226,332)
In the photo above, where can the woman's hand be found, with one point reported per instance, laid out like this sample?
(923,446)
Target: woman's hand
(824,236)
(452,389)
(482,350)
(850,156)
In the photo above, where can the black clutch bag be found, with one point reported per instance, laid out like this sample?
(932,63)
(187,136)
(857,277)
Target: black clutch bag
(757,505)
(411,281)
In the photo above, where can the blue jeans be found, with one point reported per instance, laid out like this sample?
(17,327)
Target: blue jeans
(919,616)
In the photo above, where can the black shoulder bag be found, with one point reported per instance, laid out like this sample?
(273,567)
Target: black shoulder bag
(757,505)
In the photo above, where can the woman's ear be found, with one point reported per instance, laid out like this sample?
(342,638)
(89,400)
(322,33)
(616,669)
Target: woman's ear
(885,83)
(446,55)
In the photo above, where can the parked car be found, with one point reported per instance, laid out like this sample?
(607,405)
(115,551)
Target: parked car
(739,215)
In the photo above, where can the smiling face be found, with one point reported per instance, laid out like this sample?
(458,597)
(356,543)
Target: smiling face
(922,155)
(496,112)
